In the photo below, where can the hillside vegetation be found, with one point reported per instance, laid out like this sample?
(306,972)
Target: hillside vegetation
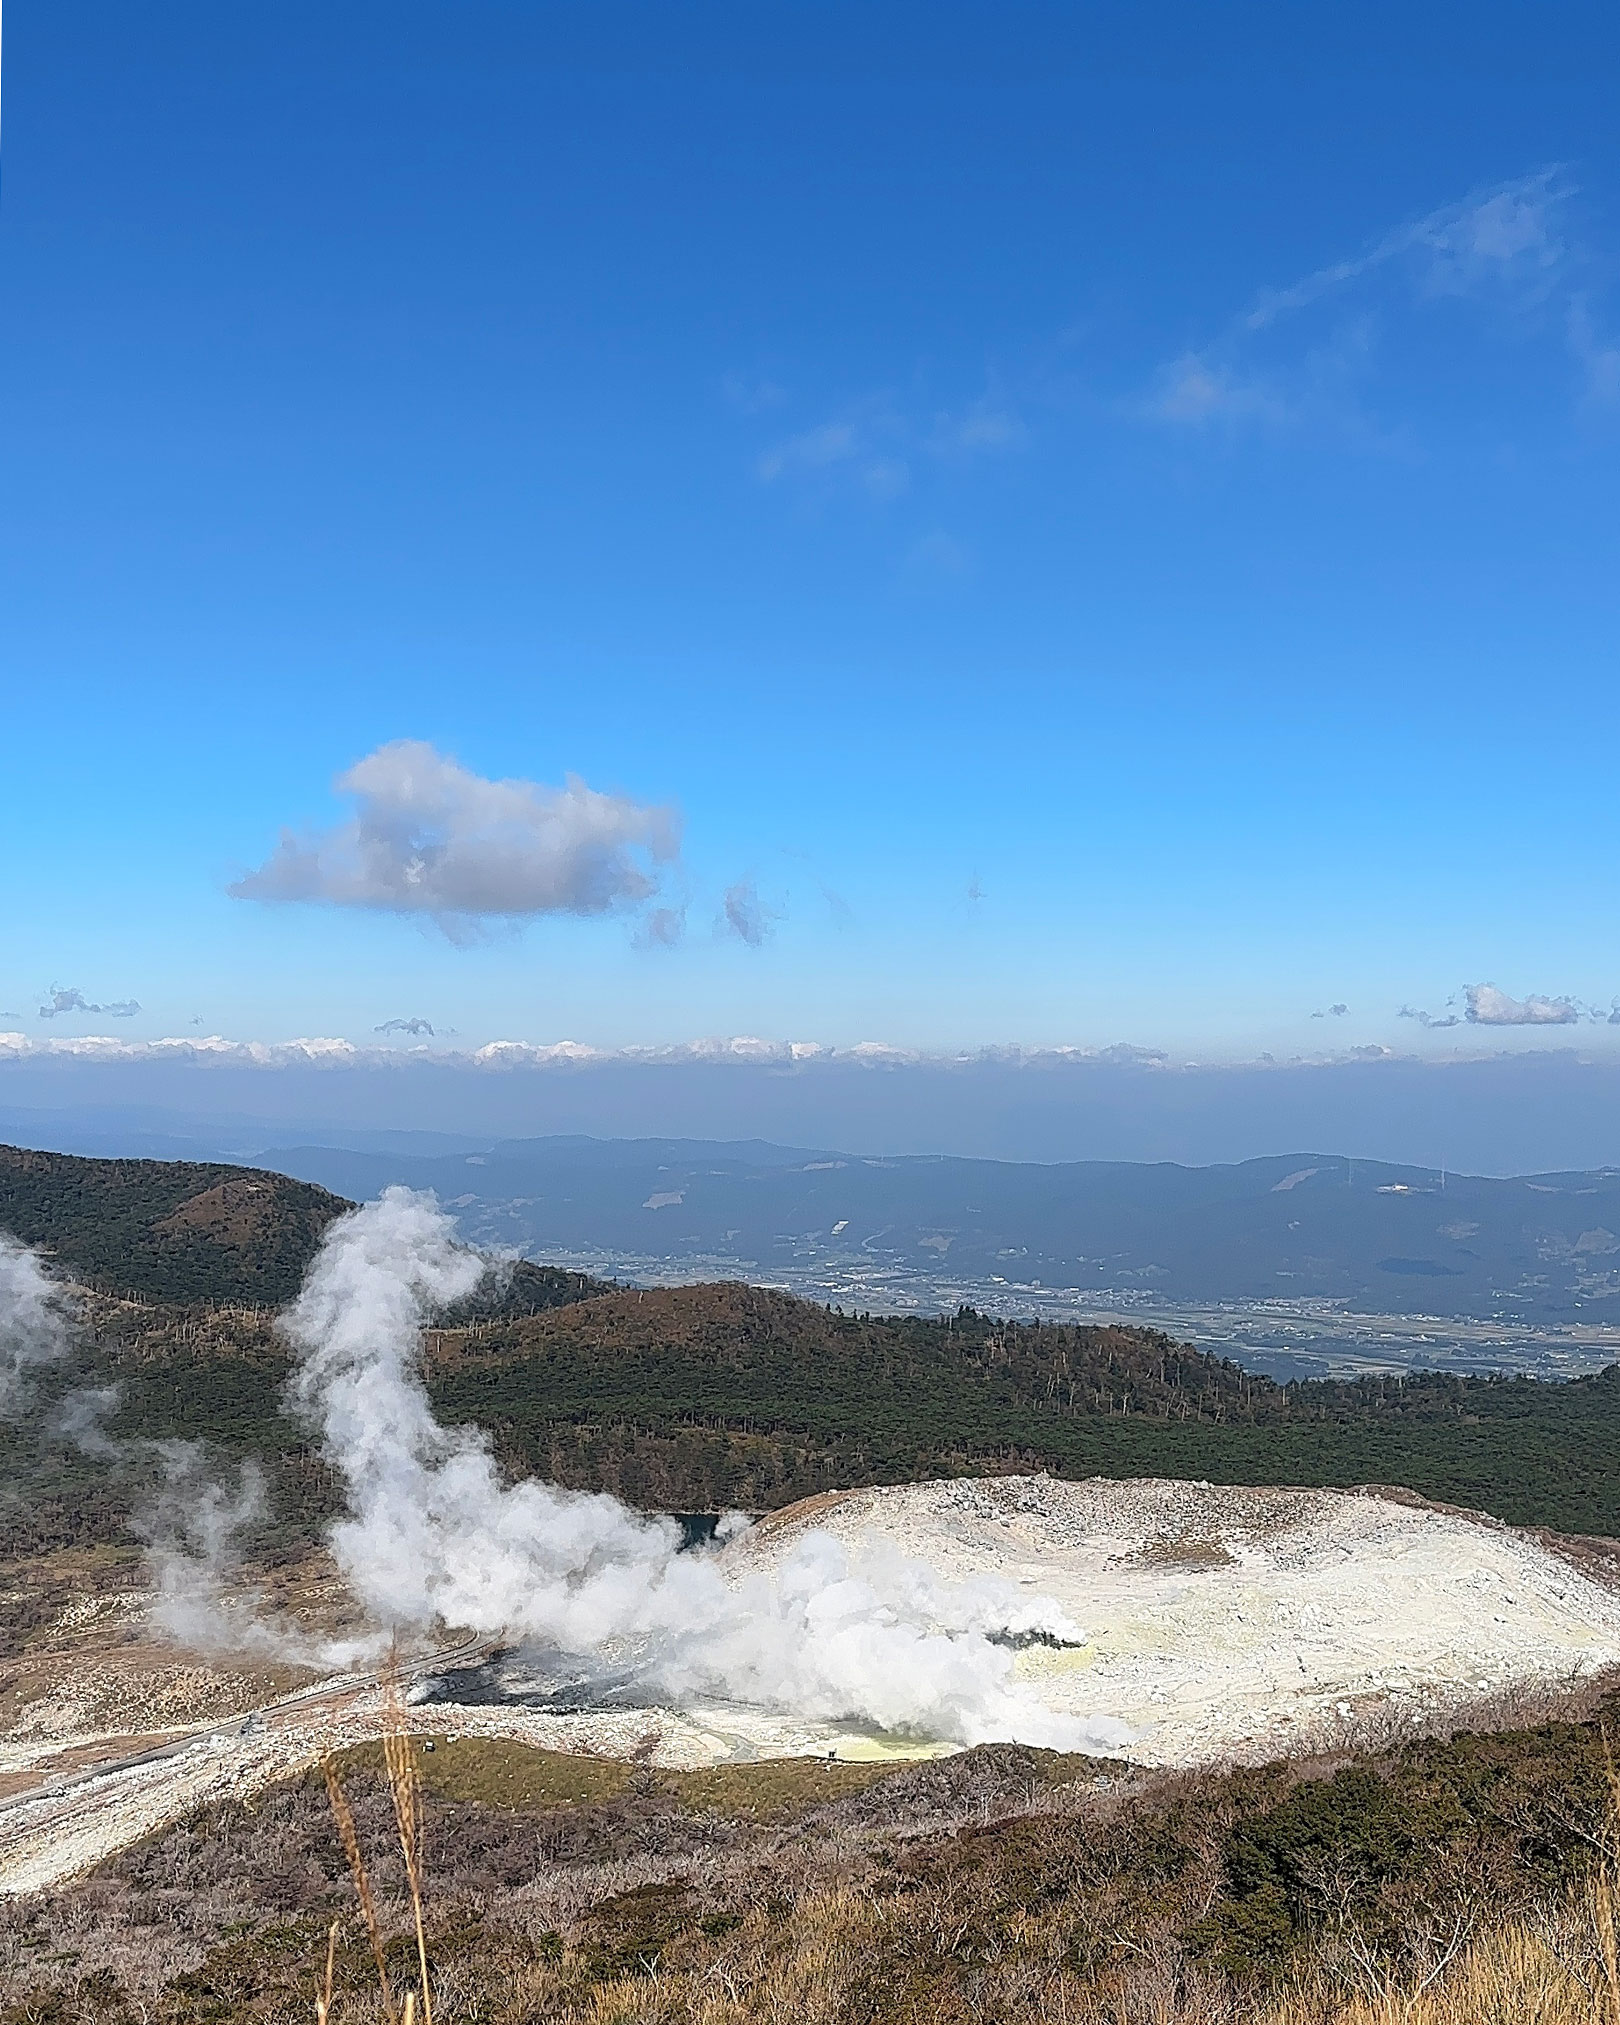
(166,1230)
(701,1398)
(698,1398)
(200,1233)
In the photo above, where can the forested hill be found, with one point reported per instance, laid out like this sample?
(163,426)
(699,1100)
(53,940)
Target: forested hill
(697,1397)
(164,1230)
(182,1232)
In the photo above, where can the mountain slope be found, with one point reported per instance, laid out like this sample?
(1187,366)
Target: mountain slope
(698,1397)
(1533,1249)
(703,1396)
(187,1232)
(166,1230)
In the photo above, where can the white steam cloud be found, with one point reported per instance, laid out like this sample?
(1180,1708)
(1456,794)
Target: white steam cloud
(433,1536)
(191,1523)
(34,1321)
(193,1532)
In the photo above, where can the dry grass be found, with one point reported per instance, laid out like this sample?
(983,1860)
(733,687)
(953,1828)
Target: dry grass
(496,1772)
(405,1792)
(816,1970)
(812,1962)
(998,1887)
(348,1835)
(1514,1974)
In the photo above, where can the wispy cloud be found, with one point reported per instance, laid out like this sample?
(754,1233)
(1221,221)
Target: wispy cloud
(750,394)
(67,999)
(879,447)
(863,451)
(663,927)
(1505,246)
(1224,386)
(1598,356)
(1195,389)
(745,914)
(935,559)
(1505,238)
(430,837)
(416,1028)
(986,424)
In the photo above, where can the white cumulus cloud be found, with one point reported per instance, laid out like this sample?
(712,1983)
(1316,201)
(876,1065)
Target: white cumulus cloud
(68,999)
(430,837)
(1488,1006)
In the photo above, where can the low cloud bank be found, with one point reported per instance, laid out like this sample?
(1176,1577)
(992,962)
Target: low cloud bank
(745,1050)
(1489,1109)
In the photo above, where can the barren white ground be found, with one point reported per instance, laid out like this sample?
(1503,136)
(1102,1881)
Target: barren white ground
(1218,1624)
(1234,1623)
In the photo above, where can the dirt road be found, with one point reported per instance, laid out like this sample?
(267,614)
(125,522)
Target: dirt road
(105,1801)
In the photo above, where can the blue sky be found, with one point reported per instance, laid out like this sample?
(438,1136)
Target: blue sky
(1088,527)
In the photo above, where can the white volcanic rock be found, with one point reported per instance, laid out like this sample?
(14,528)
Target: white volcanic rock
(1226,1623)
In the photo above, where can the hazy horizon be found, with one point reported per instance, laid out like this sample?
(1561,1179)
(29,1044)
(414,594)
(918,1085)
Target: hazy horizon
(1503,1114)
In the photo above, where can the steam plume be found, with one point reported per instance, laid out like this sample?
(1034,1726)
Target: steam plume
(191,1523)
(433,1536)
(34,1321)
(192,1531)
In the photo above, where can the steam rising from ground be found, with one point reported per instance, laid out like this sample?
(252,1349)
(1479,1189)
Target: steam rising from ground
(193,1527)
(35,1326)
(433,1536)
(191,1521)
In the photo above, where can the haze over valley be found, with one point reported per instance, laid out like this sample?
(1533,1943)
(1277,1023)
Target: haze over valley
(1297,1264)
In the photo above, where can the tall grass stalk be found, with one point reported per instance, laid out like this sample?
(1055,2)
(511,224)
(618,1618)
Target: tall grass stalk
(343,1815)
(405,1790)
(323,2001)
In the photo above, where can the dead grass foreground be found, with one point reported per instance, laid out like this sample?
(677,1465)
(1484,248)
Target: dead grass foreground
(1454,1881)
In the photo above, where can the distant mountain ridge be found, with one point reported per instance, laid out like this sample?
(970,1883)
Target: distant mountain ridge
(1535,1249)
(693,1398)
(186,1231)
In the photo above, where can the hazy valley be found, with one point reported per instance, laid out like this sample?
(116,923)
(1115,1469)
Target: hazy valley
(1298,1265)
